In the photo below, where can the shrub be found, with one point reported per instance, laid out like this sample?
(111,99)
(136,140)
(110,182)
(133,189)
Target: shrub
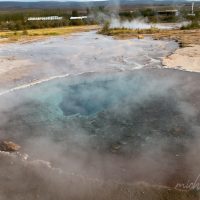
(193,25)
(25,32)
(106,28)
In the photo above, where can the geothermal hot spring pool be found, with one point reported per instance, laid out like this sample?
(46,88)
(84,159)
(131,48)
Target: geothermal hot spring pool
(98,111)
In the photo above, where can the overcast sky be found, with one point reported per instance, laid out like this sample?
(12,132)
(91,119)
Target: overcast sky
(50,0)
(75,0)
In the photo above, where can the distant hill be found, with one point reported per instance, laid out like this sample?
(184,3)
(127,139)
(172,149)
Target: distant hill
(4,5)
(46,4)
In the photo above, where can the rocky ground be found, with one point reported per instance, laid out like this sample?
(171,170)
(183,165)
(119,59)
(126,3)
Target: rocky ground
(186,58)
(173,118)
(35,179)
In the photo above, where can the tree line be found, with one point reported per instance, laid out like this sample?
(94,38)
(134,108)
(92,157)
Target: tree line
(17,19)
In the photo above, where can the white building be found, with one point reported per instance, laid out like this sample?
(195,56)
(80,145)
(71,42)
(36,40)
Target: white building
(169,13)
(81,18)
(49,18)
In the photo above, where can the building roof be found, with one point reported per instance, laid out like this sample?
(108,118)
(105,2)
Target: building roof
(80,17)
(168,11)
(44,18)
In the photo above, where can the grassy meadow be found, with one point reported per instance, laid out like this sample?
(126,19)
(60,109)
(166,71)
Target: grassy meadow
(12,36)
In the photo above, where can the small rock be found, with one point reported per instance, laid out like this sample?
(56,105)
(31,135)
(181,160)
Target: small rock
(115,148)
(9,146)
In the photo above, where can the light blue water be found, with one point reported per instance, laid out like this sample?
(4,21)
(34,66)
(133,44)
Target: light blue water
(87,95)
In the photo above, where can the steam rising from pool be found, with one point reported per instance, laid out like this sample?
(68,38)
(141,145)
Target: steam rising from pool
(142,23)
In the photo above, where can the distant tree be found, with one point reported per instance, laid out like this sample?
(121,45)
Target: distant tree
(148,12)
(25,32)
(101,8)
(106,28)
(17,19)
(74,13)
(18,25)
(77,22)
(88,11)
